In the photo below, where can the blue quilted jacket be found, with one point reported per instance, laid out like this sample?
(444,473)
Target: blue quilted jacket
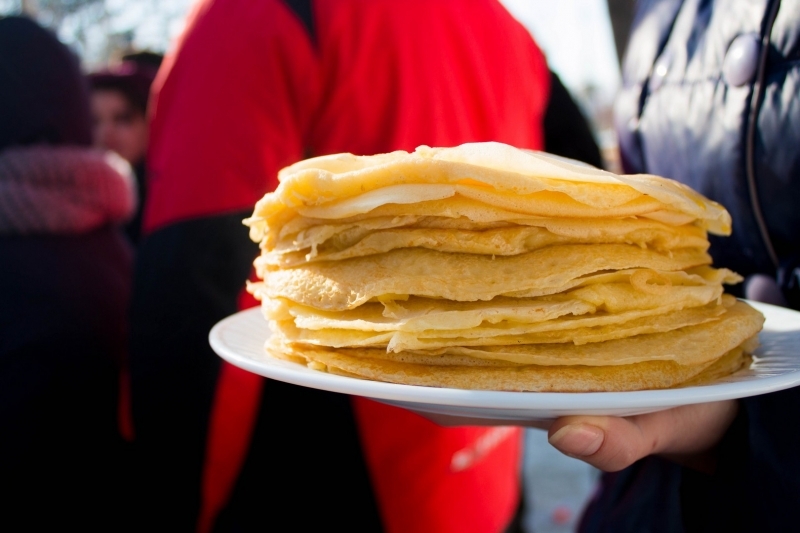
(711,98)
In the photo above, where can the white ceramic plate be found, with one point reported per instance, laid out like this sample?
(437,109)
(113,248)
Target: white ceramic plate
(239,339)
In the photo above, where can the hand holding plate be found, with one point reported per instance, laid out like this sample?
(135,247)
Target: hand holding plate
(686,434)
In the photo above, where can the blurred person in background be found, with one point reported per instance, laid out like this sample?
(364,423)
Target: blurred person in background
(710,98)
(250,88)
(65,269)
(119,109)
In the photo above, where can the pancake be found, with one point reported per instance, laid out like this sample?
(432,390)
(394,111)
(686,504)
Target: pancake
(341,285)
(487,267)
(358,241)
(637,376)
(705,340)
(509,178)
(419,314)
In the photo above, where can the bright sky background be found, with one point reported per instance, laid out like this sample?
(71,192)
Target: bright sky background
(576,37)
(157,22)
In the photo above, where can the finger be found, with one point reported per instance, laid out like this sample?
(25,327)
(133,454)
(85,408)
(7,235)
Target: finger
(684,434)
(607,443)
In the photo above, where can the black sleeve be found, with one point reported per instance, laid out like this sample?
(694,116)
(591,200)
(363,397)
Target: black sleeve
(63,305)
(754,487)
(566,130)
(757,481)
(643,497)
(187,277)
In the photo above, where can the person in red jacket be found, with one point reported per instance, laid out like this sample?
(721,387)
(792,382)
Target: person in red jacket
(253,86)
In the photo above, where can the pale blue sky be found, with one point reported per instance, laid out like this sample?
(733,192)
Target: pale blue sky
(577,39)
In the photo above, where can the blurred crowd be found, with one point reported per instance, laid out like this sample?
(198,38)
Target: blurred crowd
(121,198)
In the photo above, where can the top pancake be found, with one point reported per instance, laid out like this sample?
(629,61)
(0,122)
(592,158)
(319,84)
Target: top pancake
(342,185)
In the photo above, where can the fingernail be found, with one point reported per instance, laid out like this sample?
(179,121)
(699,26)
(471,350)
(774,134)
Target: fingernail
(578,440)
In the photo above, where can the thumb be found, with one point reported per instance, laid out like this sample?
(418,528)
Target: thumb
(607,443)
(685,434)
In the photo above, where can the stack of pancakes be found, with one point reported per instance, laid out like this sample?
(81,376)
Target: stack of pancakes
(488,267)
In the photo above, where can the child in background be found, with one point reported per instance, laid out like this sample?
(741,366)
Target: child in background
(119,112)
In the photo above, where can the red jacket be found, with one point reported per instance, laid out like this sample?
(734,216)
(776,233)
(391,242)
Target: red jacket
(254,85)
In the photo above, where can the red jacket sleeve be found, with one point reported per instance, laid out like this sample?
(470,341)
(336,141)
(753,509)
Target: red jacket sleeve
(229,108)
(227,113)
